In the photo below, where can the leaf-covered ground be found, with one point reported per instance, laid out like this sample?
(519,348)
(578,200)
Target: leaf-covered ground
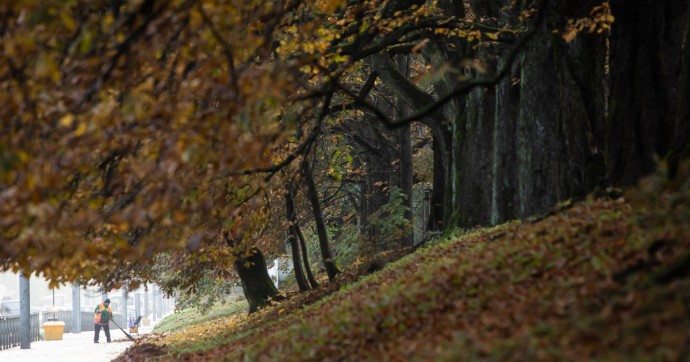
(601,279)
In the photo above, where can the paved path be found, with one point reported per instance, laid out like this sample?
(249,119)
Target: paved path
(77,347)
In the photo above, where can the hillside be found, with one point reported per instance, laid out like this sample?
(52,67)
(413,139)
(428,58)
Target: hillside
(605,278)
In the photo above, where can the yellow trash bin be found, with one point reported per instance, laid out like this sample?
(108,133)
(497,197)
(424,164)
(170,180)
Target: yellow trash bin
(54,330)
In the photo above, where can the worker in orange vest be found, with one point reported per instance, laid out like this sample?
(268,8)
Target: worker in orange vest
(102,319)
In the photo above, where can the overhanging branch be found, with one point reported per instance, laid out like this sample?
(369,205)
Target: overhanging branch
(300,150)
(463,87)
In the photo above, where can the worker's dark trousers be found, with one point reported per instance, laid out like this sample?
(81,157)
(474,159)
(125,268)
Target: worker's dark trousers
(106,329)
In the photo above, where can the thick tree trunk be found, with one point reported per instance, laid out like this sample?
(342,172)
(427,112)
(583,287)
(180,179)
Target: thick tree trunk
(646,74)
(561,110)
(406,178)
(328,261)
(256,283)
(474,166)
(440,195)
(251,267)
(530,141)
(504,201)
(406,174)
(681,143)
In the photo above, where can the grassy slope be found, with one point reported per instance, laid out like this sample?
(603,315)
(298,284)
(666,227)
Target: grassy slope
(191,317)
(603,280)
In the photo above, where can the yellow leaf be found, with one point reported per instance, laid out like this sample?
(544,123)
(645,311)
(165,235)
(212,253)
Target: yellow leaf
(23,156)
(80,130)
(492,36)
(67,20)
(67,120)
(46,67)
(331,5)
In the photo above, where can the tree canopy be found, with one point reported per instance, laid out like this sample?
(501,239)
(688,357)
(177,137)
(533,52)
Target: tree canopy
(134,127)
(138,128)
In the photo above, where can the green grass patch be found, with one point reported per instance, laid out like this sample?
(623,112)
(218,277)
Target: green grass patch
(191,317)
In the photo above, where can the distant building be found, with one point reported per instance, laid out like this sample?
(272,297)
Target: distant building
(39,289)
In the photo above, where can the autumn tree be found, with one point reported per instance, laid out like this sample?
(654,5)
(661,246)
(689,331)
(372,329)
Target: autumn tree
(121,133)
(295,241)
(130,128)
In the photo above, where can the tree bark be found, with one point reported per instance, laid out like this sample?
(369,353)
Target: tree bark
(297,263)
(523,145)
(328,261)
(256,283)
(504,201)
(406,179)
(681,144)
(474,166)
(293,237)
(441,178)
(407,92)
(305,255)
(646,66)
(406,174)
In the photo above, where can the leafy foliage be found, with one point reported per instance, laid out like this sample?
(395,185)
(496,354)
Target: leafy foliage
(390,220)
(132,128)
(349,246)
(599,21)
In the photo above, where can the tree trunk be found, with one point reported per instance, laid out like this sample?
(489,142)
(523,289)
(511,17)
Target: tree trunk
(681,144)
(328,261)
(375,157)
(504,201)
(407,92)
(297,263)
(406,179)
(406,174)
(646,77)
(441,176)
(256,283)
(531,141)
(474,166)
(305,255)
(376,184)
(293,237)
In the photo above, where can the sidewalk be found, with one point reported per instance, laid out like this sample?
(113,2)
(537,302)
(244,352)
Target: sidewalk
(77,347)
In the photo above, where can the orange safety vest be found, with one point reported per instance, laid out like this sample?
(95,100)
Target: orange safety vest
(101,308)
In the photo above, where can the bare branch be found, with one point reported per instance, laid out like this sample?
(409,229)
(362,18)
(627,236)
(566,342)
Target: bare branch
(465,87)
